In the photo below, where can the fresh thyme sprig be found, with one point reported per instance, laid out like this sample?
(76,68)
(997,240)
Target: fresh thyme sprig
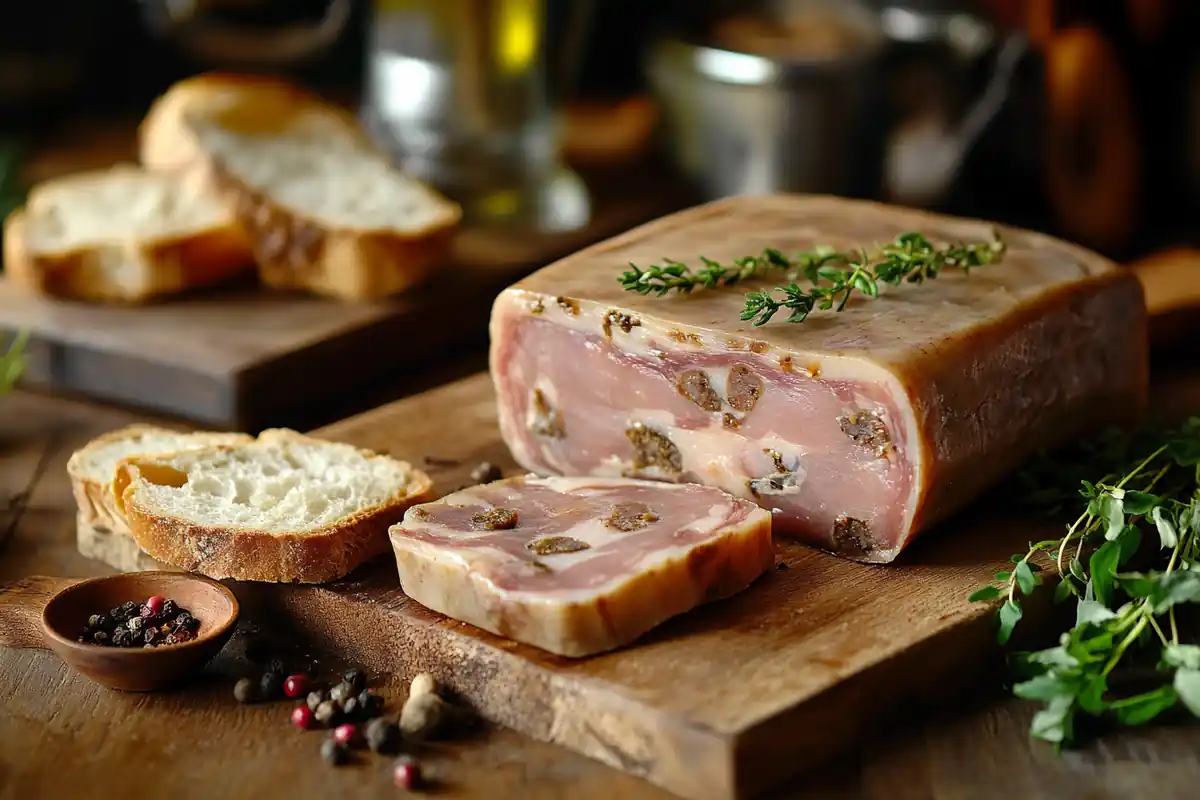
(834,275)
(912,258)
(1150,484)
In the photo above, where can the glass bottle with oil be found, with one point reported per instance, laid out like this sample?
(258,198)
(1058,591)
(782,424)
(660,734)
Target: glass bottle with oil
(459,91)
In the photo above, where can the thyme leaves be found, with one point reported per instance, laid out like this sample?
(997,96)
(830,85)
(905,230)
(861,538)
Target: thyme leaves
(832,276)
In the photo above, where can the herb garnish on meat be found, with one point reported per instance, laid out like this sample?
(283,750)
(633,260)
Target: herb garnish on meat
(834,275)
(1131,558)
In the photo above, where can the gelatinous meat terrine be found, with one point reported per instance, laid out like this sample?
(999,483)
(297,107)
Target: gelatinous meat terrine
(857,429)
(578,566)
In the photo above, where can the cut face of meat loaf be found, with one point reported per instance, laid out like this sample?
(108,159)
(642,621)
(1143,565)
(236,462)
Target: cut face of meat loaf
(857,429)
(579,566)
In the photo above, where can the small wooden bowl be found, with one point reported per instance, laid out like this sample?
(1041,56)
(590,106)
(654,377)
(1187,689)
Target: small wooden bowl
(139,669)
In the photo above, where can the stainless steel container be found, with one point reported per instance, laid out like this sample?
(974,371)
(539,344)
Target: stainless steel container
(738,122)
(881,110)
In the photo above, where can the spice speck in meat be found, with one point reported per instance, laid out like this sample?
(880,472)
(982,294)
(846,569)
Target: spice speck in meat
(497,519)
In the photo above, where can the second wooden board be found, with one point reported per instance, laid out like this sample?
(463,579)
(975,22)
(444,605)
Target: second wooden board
(722,702)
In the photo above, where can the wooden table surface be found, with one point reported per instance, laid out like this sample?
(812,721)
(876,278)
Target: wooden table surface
(61,736)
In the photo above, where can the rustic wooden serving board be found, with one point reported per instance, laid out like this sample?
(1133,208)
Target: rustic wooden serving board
(246,359)
(720,703)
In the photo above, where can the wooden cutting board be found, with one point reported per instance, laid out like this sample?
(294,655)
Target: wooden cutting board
(730,699)
(720,703)
(246,359)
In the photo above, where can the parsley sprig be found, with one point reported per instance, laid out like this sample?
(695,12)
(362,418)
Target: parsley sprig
(833,275)
(1125,618)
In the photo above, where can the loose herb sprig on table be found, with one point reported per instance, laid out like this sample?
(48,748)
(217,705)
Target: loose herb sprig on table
(12,361)
(1125,618)
(834,275)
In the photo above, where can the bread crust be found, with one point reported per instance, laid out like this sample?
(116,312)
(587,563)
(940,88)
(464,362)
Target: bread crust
(94,500)
(165,141)
(256,555)
(292,250)
(204,258)
(296,252)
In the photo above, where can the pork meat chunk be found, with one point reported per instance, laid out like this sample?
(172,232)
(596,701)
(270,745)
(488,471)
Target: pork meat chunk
(579,566)
(859,429)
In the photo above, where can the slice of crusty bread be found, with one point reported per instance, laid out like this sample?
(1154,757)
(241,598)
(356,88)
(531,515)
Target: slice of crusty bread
(93,466)
(283,508)
(124,235)
(325,209)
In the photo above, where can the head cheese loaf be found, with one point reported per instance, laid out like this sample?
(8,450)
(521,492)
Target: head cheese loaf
(858,429)
(578,566)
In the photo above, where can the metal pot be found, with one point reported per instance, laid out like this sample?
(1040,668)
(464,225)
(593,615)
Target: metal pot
(754,121)
(743,123)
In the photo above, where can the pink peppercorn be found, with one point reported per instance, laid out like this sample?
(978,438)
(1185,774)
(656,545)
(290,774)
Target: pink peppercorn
(155,603)
(407,773)
(302,717)
(346,734)
(296,685)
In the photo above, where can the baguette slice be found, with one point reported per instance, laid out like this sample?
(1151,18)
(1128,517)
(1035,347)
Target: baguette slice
(93,466)
(326,211)
(122,235)
(282,508)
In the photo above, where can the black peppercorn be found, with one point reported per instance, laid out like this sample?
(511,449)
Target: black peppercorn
(369,704)
(184,620)
(334,752)
(350,708)
(99,637)
(356,679)
(383,736)
(124,611)
(244,691)
(135,624)
(169,609)
(122,637)
(150,636)
(98,621)
(276,665)
(270,686)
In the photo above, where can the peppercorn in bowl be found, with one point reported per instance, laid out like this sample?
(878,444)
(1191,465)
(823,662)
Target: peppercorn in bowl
(140,631)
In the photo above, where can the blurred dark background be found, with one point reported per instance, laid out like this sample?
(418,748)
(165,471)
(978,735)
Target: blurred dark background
(1089,130)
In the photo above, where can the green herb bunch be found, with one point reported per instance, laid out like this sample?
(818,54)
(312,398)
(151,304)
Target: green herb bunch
(833,275)
(1130,559)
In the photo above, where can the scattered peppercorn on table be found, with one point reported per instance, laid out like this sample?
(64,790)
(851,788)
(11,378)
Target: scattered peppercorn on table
(62,736)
